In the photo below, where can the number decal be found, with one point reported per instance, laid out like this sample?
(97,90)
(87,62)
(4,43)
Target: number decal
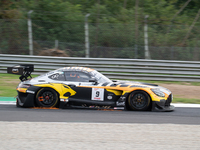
(97,94)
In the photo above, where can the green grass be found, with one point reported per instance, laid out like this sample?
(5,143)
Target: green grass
(185,100)
(9,82)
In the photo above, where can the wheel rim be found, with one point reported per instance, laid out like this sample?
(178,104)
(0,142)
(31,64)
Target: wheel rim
(46,98)
(138,101)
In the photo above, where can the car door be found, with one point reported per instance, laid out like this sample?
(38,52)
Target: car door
(79,82)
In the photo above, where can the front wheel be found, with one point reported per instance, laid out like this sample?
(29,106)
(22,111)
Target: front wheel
(47,97)
(139,100)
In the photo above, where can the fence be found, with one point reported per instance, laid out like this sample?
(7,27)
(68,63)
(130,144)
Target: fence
(135,69)
(108,40)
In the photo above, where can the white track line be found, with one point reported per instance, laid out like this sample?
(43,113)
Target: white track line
(8,102)
(186,105)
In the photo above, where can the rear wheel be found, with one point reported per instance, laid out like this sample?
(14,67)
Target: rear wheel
(47,97)
(139,100)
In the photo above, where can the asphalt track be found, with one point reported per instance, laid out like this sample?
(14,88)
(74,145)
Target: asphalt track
(181,115)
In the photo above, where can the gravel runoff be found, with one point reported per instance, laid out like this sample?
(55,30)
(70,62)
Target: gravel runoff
(97,136)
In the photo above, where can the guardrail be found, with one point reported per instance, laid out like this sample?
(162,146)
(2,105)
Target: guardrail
(136,69)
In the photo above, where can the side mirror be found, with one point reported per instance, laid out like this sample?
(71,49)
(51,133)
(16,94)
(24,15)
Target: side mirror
(93,80)
(114,80)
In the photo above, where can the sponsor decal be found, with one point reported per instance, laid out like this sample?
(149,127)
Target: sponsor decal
(122,98)
(109,97)
(54,76)
(118,107)
(64,100)
(32,92)
(15,70)
(120,103)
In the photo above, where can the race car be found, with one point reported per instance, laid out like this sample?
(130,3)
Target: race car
(82,87)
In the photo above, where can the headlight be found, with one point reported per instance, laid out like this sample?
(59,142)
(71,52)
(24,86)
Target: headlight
(158,92)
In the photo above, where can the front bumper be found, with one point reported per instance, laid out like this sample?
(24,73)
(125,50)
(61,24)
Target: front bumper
(163,105)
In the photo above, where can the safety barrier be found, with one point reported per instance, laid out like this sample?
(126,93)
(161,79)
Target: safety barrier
(136,69)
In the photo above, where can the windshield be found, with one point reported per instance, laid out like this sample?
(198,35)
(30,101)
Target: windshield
(100,77)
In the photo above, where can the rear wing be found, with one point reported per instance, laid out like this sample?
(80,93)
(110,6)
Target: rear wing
(23,70)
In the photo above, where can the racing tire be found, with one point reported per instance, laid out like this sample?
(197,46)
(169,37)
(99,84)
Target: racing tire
(47,97)
(139,100)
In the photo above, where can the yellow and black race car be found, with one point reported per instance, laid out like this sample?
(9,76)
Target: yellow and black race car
(82,87)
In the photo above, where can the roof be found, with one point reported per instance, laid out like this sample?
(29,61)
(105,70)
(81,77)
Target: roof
(83,69)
